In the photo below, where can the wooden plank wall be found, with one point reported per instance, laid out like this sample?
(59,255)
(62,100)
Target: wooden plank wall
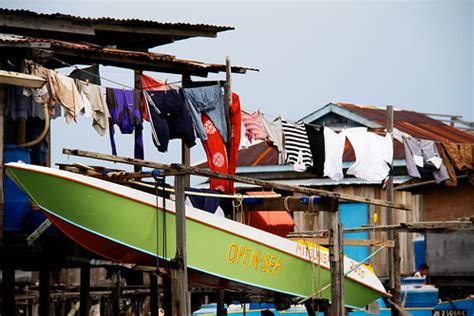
(305,222)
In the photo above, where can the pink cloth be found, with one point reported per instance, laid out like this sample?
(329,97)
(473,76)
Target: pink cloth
(254,128)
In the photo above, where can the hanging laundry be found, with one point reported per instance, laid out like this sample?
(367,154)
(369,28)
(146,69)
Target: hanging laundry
(452,181)
(68,96)
(254,128)
(234,144)
(374,154)
(127,115)
(170,119)
(275,135)
(209,204)
(150,84)
(99,110)
(87,110)
(421,154)
(316,144)
(89,74)
(216,153)
(298,152)
(21,106)
(61,89)
(207,100)
(462,158)
(334,151)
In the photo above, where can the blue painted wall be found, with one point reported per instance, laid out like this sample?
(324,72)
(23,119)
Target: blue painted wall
(354,215)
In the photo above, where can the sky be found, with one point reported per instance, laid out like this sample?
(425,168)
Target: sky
(415,55)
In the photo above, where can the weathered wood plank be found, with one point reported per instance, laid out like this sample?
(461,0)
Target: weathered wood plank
(349,242)
(262,183)
(20,79)
(278,204)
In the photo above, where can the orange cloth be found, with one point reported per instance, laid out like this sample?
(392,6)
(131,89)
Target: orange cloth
(276,222)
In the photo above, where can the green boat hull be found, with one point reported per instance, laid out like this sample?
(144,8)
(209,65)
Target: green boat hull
(219,251)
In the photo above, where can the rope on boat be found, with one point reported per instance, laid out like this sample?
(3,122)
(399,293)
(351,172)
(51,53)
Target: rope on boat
(217,195)
(345,274)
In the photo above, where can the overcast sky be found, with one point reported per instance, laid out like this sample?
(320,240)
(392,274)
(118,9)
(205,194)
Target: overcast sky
(416,55)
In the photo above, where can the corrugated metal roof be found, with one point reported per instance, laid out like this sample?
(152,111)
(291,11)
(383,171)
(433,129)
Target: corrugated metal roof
(135,55)
(324,182)
(115,21)
(416,124)
(410,122)
(106,31)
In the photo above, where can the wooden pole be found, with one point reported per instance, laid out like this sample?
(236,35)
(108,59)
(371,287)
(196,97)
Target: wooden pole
(397,292)
(2,124)
(185,150)
(336,250)
(44,292)
(394,273)
(137,85)
(84,297)
(167,296)
(228,97)
(8,297)
(154,295)
(221,310)
(266,184)
(180,300)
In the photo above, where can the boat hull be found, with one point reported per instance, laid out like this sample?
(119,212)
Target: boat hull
(130,226)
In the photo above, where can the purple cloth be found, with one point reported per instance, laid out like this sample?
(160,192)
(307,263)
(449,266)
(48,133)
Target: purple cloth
(127,115)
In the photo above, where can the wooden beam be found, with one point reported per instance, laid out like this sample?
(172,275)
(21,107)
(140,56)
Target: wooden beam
(132,62)
(220,308)
(44,292)
(180,301)
(137,100)
(2,131)
(20,79)
(154,301)
(262,183)
(8,293)
(416,227)
(336,250)
(279,204)
(348,242)
(172,32)
(228,99)
(84,297)
(392,252)
(397,291)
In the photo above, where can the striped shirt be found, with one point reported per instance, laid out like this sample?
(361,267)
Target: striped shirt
(296,141)
(254,128)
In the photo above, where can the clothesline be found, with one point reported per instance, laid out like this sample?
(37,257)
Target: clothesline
(93,74)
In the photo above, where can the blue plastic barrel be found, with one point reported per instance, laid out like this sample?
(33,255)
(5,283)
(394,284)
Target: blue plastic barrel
(419,250)
(16,203)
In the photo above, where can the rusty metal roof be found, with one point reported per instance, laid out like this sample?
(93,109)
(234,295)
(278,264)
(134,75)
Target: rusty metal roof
(416,124)
(130,33)
(77,53)
(413,123)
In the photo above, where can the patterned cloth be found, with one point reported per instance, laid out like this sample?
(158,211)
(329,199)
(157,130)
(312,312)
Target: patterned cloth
(254,128)
(297,147)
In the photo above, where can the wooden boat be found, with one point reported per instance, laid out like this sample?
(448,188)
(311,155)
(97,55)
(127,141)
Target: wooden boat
(131,226)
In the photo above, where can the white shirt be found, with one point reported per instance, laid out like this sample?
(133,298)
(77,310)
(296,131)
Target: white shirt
(373,154)
(333,151)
